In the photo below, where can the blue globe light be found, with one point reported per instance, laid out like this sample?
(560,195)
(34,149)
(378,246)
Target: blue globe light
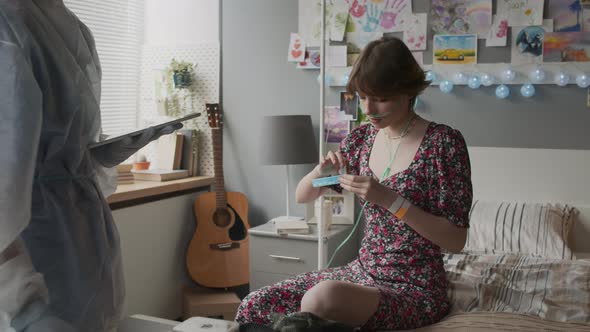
(446,86)
(527,90)
(537,75)
(430,76)
(460,78)
(487,79)
(562,79)
(583,80)
(502,91)
(344,79)
(508,75)
(474,82)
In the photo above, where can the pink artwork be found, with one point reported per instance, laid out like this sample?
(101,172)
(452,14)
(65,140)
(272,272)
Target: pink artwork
(498,32)
(393,11)
(296,49)
(415,31)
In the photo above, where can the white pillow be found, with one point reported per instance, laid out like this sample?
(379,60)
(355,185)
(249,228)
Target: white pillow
(540,229)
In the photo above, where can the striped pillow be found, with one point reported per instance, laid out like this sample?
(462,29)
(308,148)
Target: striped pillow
(540,229)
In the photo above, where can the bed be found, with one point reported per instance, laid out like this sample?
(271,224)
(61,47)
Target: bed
(531,215)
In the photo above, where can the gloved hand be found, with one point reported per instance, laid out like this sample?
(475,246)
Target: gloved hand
(111,155)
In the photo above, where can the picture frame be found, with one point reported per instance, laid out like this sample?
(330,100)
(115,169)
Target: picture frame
(349,103)
(342,209)
(336,125)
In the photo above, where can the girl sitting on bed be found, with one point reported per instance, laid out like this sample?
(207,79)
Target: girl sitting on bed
(413,179)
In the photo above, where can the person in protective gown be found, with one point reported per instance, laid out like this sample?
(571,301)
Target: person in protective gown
(60,260)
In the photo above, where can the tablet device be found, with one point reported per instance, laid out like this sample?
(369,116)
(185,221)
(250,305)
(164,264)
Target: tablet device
(140,131)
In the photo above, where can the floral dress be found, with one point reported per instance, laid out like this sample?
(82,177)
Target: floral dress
(406,268)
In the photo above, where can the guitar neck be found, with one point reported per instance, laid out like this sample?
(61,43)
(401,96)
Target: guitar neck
(219,186)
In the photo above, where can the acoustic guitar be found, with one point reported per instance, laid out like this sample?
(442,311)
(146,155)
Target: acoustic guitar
(219,252)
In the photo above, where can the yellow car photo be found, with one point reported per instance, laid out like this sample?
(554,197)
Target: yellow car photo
(451,54)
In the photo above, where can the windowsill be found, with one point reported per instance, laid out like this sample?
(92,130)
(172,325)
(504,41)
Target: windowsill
(146,191)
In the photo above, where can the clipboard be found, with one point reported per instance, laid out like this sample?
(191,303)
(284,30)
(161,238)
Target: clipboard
(140,131)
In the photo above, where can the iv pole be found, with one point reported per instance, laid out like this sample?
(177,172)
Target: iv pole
(321,257)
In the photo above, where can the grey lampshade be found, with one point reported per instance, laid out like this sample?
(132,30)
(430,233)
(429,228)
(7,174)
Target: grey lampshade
(288,140)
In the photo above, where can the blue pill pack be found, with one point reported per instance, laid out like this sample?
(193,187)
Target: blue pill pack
(325,181)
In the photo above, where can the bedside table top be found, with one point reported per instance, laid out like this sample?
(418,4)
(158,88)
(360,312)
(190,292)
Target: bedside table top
(267,229)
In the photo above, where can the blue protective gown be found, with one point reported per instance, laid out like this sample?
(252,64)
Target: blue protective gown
(49,184)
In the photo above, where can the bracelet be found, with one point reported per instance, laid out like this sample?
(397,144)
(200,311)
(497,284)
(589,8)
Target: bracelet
(401,213)
(396,205)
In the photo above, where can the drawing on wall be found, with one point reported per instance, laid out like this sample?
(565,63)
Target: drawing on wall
(160,90)
(566,46)
(310,20)
(337,14)
(461,16)
(566,15)
(312,59)
(336,127)
(415,30)
(521,12)
(296,49)
(393,11)
(455,49)
(365,15)
(349,103)
(527,43)
(498,33)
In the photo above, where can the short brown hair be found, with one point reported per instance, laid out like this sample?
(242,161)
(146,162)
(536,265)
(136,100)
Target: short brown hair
(386,68)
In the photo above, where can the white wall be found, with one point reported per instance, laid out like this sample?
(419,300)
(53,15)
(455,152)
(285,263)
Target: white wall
(154,239)
(170,22)
(154,236)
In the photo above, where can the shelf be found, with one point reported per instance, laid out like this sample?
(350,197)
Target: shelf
(146,189)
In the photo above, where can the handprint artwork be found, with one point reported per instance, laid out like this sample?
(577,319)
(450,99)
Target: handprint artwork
(373,16)
(357,17)
(358,8)
(393,11)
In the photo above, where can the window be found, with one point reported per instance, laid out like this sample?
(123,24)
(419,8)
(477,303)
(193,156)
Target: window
(117,26)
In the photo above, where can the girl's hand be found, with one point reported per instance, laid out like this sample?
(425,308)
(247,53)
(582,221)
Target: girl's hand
(331,164)
(369,189)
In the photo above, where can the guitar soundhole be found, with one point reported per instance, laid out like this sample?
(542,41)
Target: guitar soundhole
(238,231)
(221,218)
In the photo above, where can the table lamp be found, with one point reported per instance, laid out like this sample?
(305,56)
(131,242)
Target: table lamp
(288,140)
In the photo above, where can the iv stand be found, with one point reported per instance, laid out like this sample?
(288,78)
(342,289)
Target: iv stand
(321,256)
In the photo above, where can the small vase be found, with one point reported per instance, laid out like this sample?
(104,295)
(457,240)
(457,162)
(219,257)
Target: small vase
(182,79)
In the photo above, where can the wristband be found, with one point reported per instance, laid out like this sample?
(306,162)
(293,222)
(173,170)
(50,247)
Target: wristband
(396,205)
(401,213)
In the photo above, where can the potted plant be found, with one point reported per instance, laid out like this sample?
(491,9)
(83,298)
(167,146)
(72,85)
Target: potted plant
(182,73)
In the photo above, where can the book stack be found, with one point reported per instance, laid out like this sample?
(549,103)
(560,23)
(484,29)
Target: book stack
(160,174)
(284,227)
(169,152)
(190,151)
(124,174)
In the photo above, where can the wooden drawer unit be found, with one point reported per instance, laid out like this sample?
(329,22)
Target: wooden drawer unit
(276,257)
(279,255)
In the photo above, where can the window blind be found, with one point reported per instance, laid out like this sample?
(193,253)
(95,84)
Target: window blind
(117,27)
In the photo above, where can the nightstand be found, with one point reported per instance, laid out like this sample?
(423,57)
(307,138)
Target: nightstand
(276,257)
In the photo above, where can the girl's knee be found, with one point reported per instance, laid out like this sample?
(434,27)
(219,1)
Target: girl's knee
(322,299)
(247,310)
